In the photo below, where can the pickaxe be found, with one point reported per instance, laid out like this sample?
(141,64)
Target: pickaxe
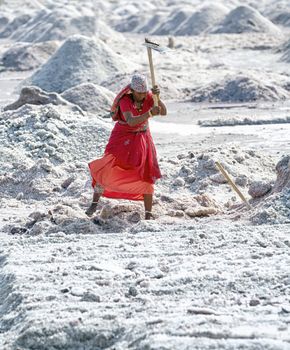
(153,46)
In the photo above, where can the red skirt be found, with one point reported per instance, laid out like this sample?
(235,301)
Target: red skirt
(129,168)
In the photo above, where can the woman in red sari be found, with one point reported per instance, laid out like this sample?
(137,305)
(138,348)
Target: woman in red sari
(129,167)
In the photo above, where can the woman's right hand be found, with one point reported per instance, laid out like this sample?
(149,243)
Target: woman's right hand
(155,110)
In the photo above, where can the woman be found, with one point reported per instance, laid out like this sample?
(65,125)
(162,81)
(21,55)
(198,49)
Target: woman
(129,167)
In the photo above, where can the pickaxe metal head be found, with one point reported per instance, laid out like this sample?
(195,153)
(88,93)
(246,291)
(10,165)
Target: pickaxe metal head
(155,46)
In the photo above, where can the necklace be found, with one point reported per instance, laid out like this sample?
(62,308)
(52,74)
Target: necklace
(138,106)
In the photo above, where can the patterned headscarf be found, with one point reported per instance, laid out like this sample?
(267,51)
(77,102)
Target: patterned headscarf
(139,83)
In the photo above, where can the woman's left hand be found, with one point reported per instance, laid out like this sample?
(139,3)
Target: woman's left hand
(156,90)
(155,110)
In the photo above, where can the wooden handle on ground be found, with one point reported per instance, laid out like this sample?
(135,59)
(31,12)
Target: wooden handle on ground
(233,185)
(155,97)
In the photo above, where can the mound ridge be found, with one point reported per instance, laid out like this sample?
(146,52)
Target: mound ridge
(26,56)
(79,60)
(202,20)
(244,19)
(90,97)
(56,24)
(239,89)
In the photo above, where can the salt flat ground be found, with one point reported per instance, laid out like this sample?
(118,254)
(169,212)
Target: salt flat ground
(208,283)
(204,286)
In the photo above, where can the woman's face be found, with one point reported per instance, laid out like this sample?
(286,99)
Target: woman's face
(139,96)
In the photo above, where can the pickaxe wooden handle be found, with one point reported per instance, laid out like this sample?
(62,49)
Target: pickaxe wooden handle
(232,184)
(155,97)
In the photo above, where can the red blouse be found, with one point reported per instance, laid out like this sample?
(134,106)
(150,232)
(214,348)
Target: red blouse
(127,105)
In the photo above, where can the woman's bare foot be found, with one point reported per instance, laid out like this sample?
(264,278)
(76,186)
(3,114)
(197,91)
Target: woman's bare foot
(149,215)
(92,208)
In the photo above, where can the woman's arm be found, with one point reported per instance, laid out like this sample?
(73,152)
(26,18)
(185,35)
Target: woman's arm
(133,121)
(156,91)
(163,109)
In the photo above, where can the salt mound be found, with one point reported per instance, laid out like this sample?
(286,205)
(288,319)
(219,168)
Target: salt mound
(173,21)
(240,89)
(30,182)
(201,20)
(286,51)
(128,17)
(106,33)
(151,23)
(90,97)
(281,17)
(197,174)
(275,209)
(35,96)
(245,19)
(131,23)
(21,57)
(56,24)
(89,61)
(13,25)
(283,175)
(4,20)
(46,132)
(126,8)
(243,121)
(17,5)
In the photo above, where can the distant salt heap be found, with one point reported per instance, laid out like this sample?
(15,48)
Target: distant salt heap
(245,19)
(151,23)
(4,20)
(56,24)
(141,22)
(132,22)
(14,24)
(128,8)
(79,60)
(286,51)
(281,17)
(130,17)
(23,56)
(239,89)
(255,120)
(17,5)
(172,22)
(90,97)
(183,20)
(202,20)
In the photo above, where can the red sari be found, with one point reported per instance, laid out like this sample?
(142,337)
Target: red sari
(129,167)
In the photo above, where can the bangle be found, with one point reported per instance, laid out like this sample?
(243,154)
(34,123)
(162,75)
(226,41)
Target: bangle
(150,114)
